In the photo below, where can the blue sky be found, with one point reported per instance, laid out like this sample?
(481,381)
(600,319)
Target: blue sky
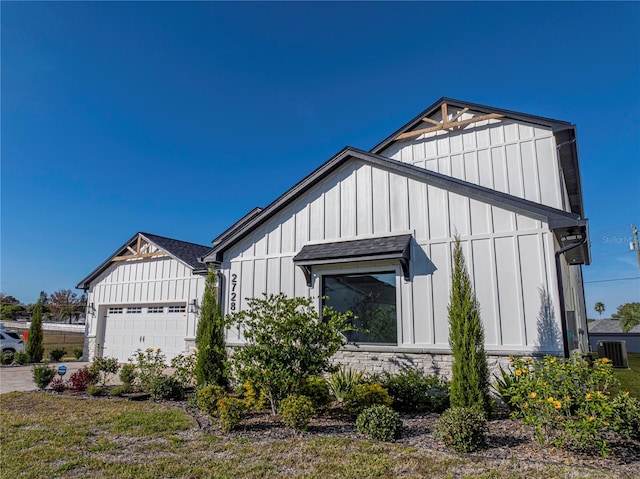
(178,118)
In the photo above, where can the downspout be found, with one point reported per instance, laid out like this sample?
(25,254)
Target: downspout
(563,313)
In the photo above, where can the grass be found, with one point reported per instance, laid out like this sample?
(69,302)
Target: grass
(46,435)
(630,378)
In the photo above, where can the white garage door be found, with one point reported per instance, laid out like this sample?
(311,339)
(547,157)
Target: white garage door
(133,327)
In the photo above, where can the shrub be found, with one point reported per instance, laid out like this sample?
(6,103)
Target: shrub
(316,389)
(124,388)
(20,357)
(207,398)
(296,412)
(35,338)
(414,392)
(254,398)
(43,375)
(469,371)
(103,368)
(78,352)
(379,422)
(149,364)
(81,379)
(365,396)
(56,354)
(166,388)
(58,385)
(6,358)
(503,386)
(230,412)
(127,373)
(342,382)
(94,390)
(461,428)
(184,369)
(285,342)
(211,354)
(626,416)
(567,401)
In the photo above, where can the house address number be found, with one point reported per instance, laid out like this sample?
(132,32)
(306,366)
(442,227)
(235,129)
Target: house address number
(234,294)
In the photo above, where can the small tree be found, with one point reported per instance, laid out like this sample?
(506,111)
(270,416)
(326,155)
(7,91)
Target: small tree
(211,366)
(629,316)
(285,343)
(599,308)
(470,372)
(35,348)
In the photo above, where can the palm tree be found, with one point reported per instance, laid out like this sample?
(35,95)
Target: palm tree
(599,307)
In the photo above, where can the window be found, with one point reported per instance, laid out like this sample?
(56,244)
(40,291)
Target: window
(371,298)
(177,309)
(155,309)
(114,311)
(136,310)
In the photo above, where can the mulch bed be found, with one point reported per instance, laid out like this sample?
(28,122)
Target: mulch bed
(507,439)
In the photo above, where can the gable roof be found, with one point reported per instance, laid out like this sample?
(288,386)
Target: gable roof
(564,132)
(554,217)
(609,326)
(183,251)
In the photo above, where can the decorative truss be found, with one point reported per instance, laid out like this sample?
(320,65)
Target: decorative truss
(142,250)
(447,123)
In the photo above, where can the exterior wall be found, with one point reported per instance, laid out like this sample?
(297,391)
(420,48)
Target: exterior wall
(509,256)
(502,154)
(147,282)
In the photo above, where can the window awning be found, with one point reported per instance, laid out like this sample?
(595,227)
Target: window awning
(370,249)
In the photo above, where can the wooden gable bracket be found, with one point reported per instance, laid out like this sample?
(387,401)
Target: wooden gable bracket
(141,251)
(447,123)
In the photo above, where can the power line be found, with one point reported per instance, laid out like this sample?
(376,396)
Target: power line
(607,280)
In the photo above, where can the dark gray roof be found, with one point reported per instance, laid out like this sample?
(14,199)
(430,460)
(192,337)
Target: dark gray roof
(554,217)
(389,246)
(187,253)
(609,326)
(565,133)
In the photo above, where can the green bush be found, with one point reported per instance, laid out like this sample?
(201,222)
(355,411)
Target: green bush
(103,368)
(254,398)
(20,357)
(56,354)
(94,390)
(365,396)
(379,422)
(184,369)
(230,412)
(149,364)
(296,412)
(127,373)
(316,389)
(78,352)
(207,398)
(463,429)
(342,382)
(124,388)
(34,347)
(626,416)
(414,392)
(43,375)
(285,342)
(166,388)
(6,358)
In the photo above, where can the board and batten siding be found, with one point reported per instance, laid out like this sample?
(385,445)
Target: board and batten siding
(502,154)
(509,256)
(150,281)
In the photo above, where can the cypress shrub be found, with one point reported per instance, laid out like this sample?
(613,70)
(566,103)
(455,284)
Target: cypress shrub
(35,347)
(470,372)
(211,366)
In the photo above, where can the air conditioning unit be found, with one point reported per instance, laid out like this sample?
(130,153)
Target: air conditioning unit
(616,351)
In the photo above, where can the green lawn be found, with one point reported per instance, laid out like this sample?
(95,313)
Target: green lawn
(630,378)
(46,435)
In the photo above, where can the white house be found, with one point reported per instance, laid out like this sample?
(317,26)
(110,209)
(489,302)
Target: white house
(373,231)
(145,295)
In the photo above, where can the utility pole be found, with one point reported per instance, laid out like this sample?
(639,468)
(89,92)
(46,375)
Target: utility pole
(634,230)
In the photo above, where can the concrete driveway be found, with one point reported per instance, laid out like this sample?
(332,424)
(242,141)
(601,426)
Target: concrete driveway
(20,378)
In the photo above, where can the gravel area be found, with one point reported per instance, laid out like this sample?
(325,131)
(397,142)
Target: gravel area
(508,440)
